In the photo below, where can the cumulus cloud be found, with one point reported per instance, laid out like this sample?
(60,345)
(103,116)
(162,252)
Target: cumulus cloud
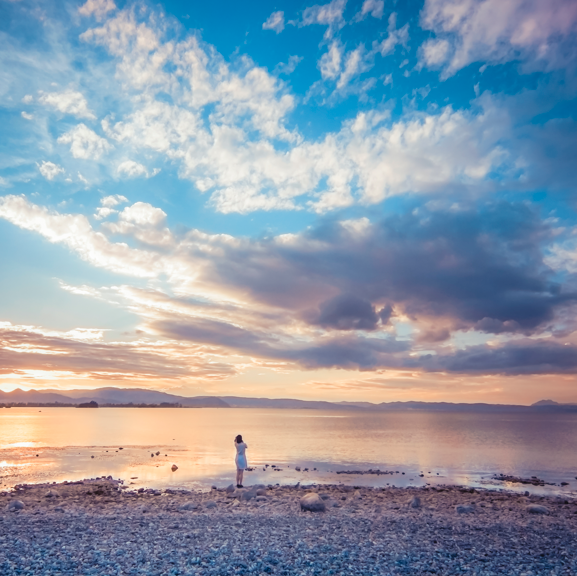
(330,15)
(330,62)
(50,170)
(274,22)
(97,8)
(67,102)
(288,67)
(497,31)
(84,143)
(131,169)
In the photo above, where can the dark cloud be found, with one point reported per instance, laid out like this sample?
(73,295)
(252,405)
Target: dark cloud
(480,268)
(347,312)
(511,359)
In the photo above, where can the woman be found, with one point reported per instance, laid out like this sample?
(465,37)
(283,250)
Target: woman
(240,459)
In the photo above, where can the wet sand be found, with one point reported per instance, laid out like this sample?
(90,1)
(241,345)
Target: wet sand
(101,527)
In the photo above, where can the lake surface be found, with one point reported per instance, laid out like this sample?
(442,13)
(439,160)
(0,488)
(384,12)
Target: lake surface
(55,444)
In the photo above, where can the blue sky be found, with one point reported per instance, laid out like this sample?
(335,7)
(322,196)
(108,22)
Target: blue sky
(351,200)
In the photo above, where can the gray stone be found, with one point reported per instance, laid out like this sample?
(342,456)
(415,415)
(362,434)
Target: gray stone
(247,495)
(357,495)
(261,492)
(230,489)
(210,504)
(312,503)
(52,494)
(537,509)
(189,506)
(261,498)
(415,502)
(16,505)
(324,496)
(464,509)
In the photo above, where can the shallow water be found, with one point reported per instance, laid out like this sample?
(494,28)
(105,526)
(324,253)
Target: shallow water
(456,448)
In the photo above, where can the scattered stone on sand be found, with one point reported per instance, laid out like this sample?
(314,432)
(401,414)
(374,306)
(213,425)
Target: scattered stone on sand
(230,489)
(99,527)
(537,509)
(174,467)
(415,502)
(464,509)
(51,494)
(312,503)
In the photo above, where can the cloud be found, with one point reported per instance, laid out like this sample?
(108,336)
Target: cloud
(131,169)
(396,37)
(83,353)
(289,67)
(113,200)
(50,170)
(274,22)
(330,62)
(434,52)
(84,143)
(495,31)
(98,8)
(330,15)
(373,7)
(347,312)
(67,102)
(311,298)
(75,232)
(27,116)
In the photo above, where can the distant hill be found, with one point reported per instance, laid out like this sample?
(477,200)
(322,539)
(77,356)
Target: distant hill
(141,396)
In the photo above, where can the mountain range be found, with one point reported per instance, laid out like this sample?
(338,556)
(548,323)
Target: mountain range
(139,396)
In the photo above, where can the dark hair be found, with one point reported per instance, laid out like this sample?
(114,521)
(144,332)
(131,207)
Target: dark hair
(238,439)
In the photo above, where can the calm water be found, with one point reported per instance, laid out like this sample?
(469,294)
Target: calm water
(446,447)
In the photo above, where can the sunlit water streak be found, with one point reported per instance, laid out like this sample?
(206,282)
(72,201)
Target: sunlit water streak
(54,444)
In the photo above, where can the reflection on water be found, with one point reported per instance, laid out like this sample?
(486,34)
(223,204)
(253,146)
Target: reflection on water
(70,443)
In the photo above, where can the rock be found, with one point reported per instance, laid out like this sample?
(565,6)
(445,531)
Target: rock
(210,505)
(564,483)
(297,468)
(16,505)
(261,492)
(312,503)
(189,506)
(247,495)
(357,495)
(415,502)
(58,509)
(230,488)
(324,496)
(91,456)
(52,494)
(235,504)
(537,509)
(464,509)
(174,467)
(261,498)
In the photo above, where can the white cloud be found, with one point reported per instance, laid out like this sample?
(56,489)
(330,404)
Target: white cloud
(114,200)
(275,22)
(396,37)
(27,116)
(330,15)
(330,62)
(50,170)
(355,64)
(28,99)
(131,169)
(84,143)
(500,31)
(98,8)
(373,7)
(434,52)
(143,213)
(67,102)
(75,232)
(289,67)
(4,183)
(104,212)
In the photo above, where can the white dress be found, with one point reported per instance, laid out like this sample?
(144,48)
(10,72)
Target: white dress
(240,459)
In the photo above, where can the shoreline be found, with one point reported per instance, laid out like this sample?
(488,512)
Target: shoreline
(101,527)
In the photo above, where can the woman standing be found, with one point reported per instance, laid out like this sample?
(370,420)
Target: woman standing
(240,459)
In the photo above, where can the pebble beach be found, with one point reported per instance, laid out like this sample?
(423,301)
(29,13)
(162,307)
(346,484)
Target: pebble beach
(99,527)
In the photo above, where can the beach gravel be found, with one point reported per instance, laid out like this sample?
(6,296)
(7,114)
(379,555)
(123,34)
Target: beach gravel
(97,528)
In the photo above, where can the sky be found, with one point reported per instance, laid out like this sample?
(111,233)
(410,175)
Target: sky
(359,200)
